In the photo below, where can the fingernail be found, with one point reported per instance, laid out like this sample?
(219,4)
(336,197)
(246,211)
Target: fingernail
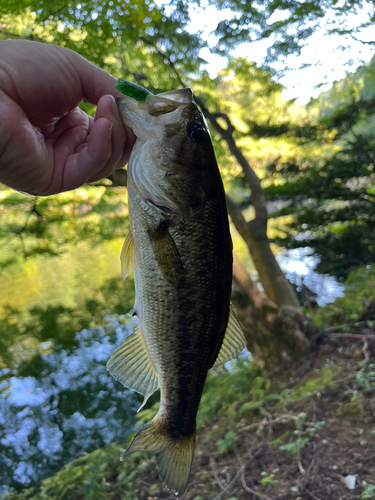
(113,105)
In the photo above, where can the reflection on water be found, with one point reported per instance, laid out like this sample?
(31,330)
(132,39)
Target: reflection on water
(60,280)
(64,402)
(75,406)
(56,398)
(298,264)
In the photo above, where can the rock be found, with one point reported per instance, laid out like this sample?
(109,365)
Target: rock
(350,481)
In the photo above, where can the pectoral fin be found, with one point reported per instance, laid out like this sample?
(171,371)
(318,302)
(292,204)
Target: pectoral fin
(234,340)
(167,256)
(131,365)
(127,256)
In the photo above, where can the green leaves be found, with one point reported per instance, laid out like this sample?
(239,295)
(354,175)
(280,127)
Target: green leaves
(228,443)
(287,24)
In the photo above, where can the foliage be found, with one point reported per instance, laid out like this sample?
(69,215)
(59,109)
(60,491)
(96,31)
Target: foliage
(288,25)
(313,382)
(117,37)
(86,478)
(224,388)
(363,382)
(32,226)
(268,479)
(303,436)
(327,186)
(228,443)
(357,303)
(368,491)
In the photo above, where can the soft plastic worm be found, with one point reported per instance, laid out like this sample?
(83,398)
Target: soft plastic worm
(132,90)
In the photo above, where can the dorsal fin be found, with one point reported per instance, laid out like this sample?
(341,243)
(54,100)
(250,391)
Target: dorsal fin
(234,340)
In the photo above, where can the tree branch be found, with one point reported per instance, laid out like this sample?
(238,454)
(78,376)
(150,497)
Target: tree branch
(238,219)
(257,194)
(167,57)
(119,177)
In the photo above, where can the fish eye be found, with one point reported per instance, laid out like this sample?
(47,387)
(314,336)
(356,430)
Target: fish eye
(196,132)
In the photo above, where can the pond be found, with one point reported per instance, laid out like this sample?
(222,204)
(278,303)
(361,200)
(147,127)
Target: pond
(72,406)
(65,317)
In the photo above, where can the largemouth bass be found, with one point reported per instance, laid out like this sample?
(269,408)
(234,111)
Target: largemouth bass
(180,249)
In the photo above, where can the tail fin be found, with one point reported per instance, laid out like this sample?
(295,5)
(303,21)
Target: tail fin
(173,456)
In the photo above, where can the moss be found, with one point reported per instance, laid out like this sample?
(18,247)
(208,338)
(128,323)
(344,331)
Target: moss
(311,383)
(354,408)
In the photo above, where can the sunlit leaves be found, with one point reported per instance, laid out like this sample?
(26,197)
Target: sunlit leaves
(328,185)
(288,25)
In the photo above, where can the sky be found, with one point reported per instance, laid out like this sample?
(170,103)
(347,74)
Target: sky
(329,63)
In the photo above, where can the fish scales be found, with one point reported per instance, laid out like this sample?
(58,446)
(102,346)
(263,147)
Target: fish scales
(181,325)
(180,248)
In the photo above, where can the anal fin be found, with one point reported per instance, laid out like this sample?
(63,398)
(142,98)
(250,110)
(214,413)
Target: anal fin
(234,340)
(131,365)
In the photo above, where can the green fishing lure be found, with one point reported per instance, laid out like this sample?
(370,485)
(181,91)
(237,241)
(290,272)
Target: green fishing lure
(133,90)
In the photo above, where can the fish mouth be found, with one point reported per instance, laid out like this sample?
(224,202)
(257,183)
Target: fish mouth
(133,111)
(166,102)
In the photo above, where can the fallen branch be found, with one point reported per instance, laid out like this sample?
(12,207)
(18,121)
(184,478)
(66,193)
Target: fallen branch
(227,488)
(265,421)
(312,495)
(216,475)
(299,463)
(351,336)
(331,329)
(250,490)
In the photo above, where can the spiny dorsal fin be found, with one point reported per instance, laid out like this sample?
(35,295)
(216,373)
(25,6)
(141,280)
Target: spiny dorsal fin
(127,256)
(166,255)
(131,365)
(234,340)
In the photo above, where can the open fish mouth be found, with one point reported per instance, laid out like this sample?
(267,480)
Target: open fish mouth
(133,111)
(166,102)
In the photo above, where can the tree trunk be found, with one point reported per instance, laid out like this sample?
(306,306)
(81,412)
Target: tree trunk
(273,280)
(274,336)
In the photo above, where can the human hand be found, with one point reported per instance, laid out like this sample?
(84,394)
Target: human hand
(47,144)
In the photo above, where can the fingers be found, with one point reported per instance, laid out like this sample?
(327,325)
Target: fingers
(122,139)
(107,109)
(87,149)
(95,81)
(106,146)
(89,159)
